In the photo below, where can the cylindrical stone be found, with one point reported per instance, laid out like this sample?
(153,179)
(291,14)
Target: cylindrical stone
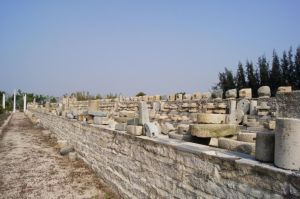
(253,105)
(264,150)
(287,143)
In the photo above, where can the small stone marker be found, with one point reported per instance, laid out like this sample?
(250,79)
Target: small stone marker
(143,113)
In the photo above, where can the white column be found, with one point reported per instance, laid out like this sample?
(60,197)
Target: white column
(25,104)
(14,110)
(3,101)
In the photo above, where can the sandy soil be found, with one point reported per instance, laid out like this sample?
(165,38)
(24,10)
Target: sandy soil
(31,167)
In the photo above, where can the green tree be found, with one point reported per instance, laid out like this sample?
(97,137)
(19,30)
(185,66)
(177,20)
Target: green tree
(140,94)
(297,68)
(252,78)
(275,75)
(263,67)
(226,80)
(240,77)
(292,77)
(284,69)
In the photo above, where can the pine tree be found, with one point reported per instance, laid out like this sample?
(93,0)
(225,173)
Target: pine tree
(263,67)
(285,69)
(292,78)
(240,77)
(275,74)
(229,80)
(251,77)
(297,68)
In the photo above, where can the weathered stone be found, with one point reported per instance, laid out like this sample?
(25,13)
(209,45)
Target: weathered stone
(217,94)
(246,137)
(243,105)
(72,156)
(232,93)
(101,120)
(213,130)
(134,121)
(70,116)
(264,92)
(284,89)
(61,143)
(66,149)
(270,124)
(184,137)
(134,130)
(232,113)
(130,114)
(287,143)
(179,97)
(143,113)
(187,96)
(234,145)
(207,118)
(206,95)
(265,146)
(97,113)
(183,129)
(46,133)
(164,98)
(150,129)
(253,107)
(122,119)
(121,127)
(197,96)
(167,127)
(245,93)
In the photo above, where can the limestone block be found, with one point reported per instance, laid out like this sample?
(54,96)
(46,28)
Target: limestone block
(72,156)
(284,89)
(270,124)
(167,127)
(184,137)
(143,113)
(206,95)
(66,149)
(243,105)
(134,130)
(245,93)
(121,127)
(134,121)
(70,116)
(264,92)
(101,120)
(61,143)
(213,130)
(46,133)
(246,137)
(208,118)
(183,129)
(122,119)
(151,129)
(130,114)
(265,146)
(97,113)
(187,97)
(234,145)
(232,93)
(179,97)
(196,96)
(287,143)
(112,124)
(164,98)
(217,94)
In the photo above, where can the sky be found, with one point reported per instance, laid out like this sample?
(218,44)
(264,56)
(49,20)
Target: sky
(156,46)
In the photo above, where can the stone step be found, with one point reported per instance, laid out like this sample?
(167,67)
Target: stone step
(235,145)
(246,137)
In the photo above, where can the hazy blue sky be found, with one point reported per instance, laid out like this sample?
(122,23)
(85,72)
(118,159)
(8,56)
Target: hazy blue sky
(159,47)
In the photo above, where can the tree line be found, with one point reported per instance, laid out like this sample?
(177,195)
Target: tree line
(281,71)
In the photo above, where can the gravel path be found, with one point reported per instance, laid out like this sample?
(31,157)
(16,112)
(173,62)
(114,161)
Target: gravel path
(31,167)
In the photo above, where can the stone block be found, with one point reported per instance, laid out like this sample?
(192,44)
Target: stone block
(143,113)
(166,128)
(72,156)
(206,95)
(243,105)
(134,130)
(183,129)
(197,96)
(208,118)
(245,93)
(151,129)
(287,143)
(264,92)
(97,113)
(234,145)
(246,137)
(130,114)
(61,143)
(122,119)
(284,89)
(121,127)
(270,124)
(101,120)
(66,149)
(231,94)
(184,137)
(217,94)
(134,121)
(213,130)
(265,146)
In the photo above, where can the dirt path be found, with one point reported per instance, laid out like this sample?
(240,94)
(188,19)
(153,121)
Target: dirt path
(31,168)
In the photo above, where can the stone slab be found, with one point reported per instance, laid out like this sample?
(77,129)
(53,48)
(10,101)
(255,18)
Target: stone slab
(213,130)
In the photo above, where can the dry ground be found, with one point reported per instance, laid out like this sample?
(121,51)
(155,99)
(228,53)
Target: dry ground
(31,167)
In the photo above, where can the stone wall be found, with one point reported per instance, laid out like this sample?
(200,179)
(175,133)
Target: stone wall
(142,167)
(288,104)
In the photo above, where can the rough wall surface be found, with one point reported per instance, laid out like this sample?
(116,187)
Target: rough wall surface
(141,167)
(288,104)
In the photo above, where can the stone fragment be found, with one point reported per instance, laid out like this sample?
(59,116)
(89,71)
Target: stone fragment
(122,119)
(112,124)
(253,107)
(270,124)
(134,121)
(66,149)
(143,113)
(245,93)
(208,118)
(196,96)
(184,137)
(97,113)
(213,130)
(232,112)
(134,130)
(61,143)
(231,94)
(72,156)
(284,89)
(46,133)
(179,97)
(70,116)
(121,127)
(234,145)
(217,94)
(151,129)
(243,105)
(164,98)
(246,137)
(166,128)
(206,95)
(187,97)
(265,146)
(101,120)
(183,129)
(264,92)
(130,114)
(287,143)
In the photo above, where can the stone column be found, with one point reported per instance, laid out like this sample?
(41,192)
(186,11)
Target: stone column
(253,105)
(3,101)
(143,113)
(25,104)
(287,143)
(232,112)
(14,109)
